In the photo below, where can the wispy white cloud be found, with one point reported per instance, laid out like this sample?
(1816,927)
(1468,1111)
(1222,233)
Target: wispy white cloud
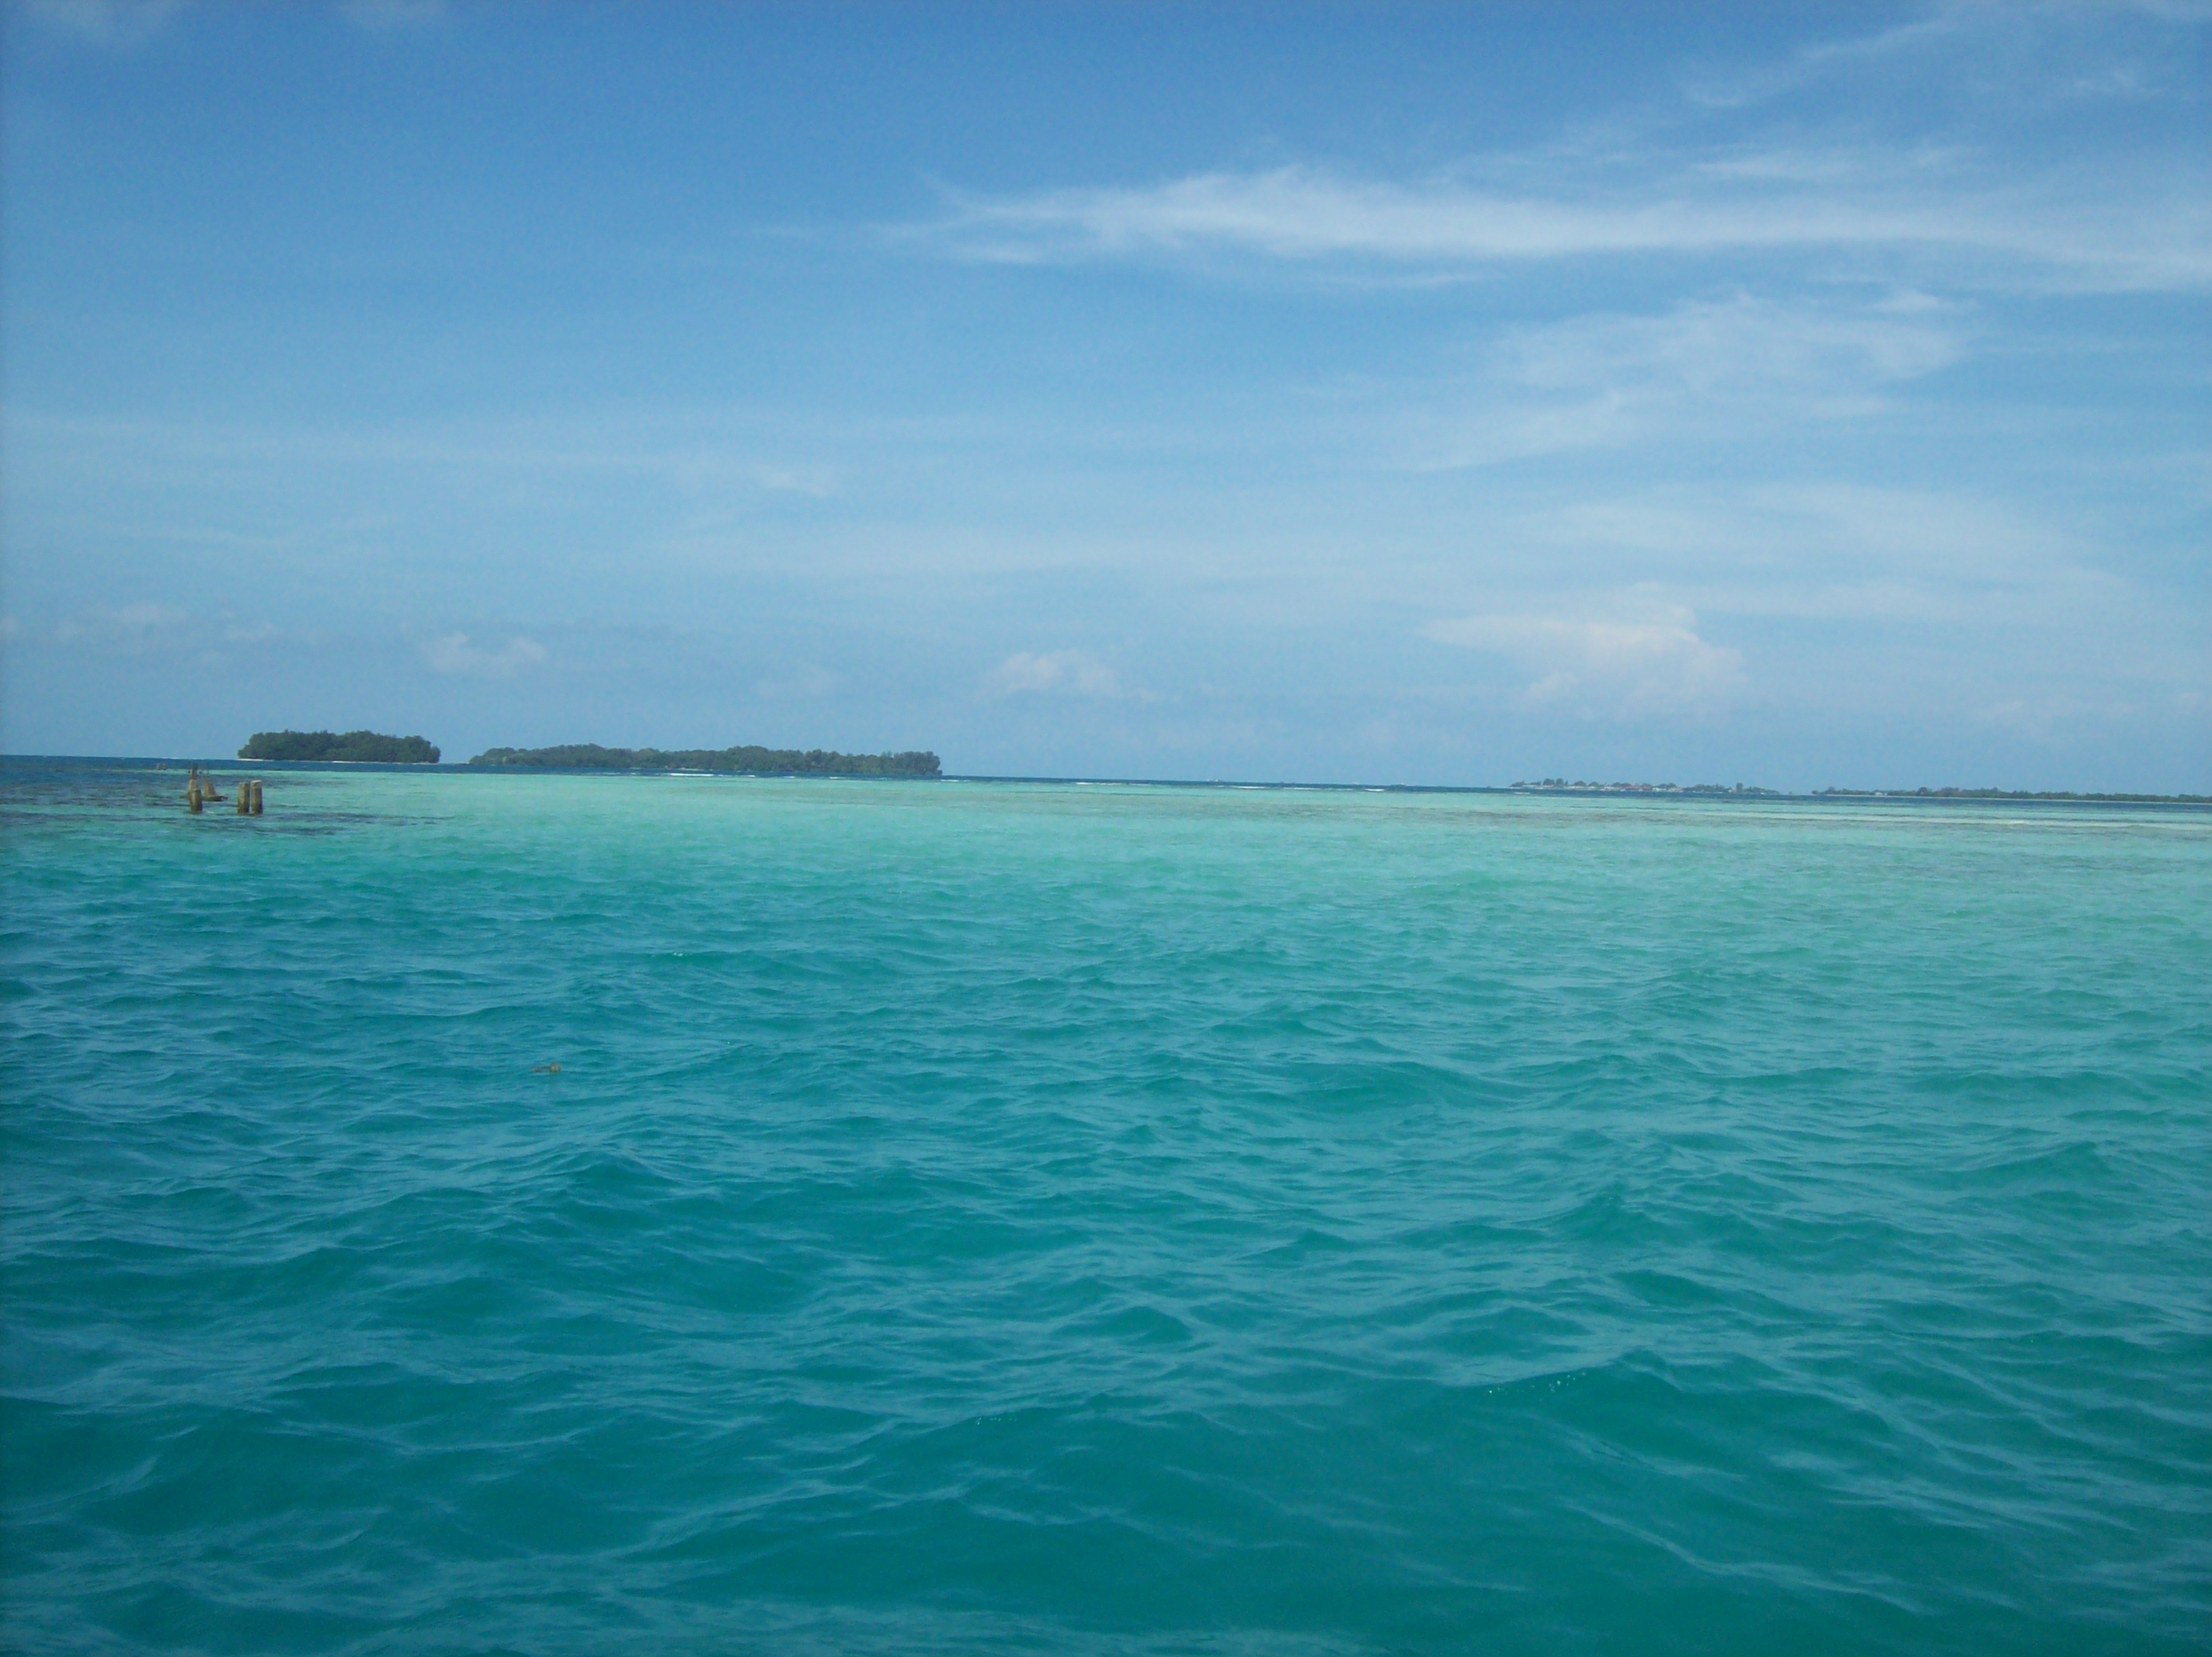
(130,22)
(1830,552)
(2082,232)
(143,618)
(453,653)
(2071,47)
(709,451)
(1982,589)
(1300,213)
(1940,27)
(1812,535)
(1060,672)
(392,14)
(2047,717)
(1690,374)
(800,684)
(820,482)
(1741,342)
(106,22)
(1638,657)
(131,626)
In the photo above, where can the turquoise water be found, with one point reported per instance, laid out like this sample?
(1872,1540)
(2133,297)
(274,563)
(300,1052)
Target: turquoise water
(1005,1218)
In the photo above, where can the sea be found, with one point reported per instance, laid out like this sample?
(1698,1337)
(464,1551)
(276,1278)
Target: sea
(567,1213)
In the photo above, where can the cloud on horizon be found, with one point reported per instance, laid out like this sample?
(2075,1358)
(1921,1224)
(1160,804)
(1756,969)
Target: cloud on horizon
(1059,673)
(453,654)
(1641,659)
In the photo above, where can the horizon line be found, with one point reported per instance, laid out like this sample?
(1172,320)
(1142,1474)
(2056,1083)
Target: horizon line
(1737,791)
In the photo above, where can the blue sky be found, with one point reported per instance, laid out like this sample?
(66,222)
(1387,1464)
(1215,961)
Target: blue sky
(1794,394)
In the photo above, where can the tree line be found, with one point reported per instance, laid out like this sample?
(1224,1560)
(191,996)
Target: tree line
(368,747)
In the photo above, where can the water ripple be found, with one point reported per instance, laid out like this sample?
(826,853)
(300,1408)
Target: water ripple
(1031,1218)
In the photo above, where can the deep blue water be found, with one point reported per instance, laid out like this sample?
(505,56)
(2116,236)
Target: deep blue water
(1029,1218)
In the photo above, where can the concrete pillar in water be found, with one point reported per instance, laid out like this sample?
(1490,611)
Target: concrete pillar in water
(246,799)
(192,798)
(257,797)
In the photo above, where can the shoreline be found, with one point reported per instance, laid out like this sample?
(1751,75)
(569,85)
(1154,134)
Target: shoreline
(1708,793)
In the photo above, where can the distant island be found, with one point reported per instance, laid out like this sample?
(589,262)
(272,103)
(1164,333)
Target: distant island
(362,747)
(1559,785)
(772,761)
(2012,793)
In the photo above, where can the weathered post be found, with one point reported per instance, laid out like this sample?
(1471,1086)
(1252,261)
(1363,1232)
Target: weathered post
(192,798)
(257,797)
(246,799)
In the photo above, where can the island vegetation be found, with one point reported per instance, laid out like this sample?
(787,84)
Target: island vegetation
(360,747)
(2016,793)
(758,761)
(1560,785)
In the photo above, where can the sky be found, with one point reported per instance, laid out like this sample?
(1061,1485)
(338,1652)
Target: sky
(1800,396)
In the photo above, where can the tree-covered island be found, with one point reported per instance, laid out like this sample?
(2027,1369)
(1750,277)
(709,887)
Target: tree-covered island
(762,761)
(361,746)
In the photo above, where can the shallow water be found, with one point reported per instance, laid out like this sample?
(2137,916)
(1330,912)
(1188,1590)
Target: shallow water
(1007,1218)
